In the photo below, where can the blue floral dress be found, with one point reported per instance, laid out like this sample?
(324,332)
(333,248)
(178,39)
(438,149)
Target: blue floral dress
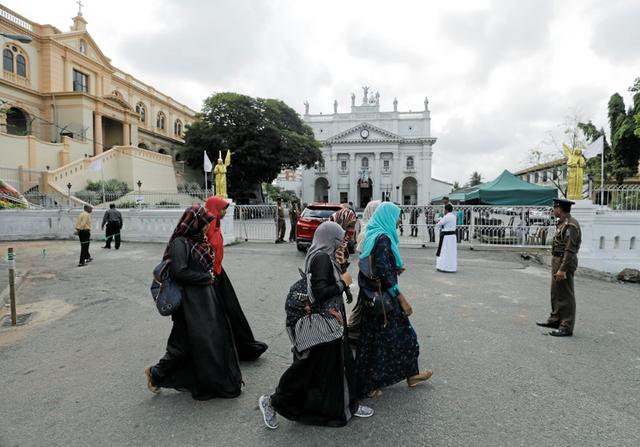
(385,355)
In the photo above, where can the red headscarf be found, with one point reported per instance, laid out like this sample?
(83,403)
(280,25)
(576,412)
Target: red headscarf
(215,205)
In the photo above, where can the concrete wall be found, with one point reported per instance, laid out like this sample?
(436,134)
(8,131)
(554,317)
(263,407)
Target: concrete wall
(610,239)
(128,164)
(32,153)
(139,225)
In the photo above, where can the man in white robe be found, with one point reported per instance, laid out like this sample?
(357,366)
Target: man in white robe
(447,254)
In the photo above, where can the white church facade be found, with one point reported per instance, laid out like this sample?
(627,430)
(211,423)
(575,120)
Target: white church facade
(369,154)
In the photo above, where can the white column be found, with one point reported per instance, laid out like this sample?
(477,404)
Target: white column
(333,180)
(353,179)
(376,176)
(397,171)
(426,175)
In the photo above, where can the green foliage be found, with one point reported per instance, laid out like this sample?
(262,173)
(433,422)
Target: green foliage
(189,188)
(621,158)
(456,186)
(275,192)
(476,179)
(113,190)
(264,136)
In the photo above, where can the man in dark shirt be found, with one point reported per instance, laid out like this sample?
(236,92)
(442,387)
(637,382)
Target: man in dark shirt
(113,220)
(564,262)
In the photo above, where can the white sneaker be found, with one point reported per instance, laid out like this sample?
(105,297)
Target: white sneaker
(364,412)
(269,415)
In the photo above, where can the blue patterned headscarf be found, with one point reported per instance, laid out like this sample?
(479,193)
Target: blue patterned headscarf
(383,221)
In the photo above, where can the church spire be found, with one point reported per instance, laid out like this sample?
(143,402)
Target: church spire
(79,23)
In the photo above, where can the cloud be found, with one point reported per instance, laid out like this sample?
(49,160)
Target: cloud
(500,74)
(616,32)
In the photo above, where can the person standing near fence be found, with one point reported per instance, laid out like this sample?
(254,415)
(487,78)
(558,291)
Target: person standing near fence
(294,213)
(447,254)
(113,220)
(281,225)
(564,262)
(413,220)
(83,230)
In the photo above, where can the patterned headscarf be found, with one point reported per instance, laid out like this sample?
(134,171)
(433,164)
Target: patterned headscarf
(366,216)
(215,205)
(192,222)
(344,217)
(383,221)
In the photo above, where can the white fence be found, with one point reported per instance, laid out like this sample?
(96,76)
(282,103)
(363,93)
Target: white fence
(618,197)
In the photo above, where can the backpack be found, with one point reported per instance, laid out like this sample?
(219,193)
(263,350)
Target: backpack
(164,291)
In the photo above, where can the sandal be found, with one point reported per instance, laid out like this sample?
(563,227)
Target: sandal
(418,378)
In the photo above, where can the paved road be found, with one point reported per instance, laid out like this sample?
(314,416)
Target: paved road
(73,377)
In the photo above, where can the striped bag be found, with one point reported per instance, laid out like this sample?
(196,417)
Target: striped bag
(318,327)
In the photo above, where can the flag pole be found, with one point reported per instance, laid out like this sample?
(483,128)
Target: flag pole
(602,175)
(102,176)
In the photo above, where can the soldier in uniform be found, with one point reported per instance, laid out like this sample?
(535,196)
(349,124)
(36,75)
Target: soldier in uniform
(564,251)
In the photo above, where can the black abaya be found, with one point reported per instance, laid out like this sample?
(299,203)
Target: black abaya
(246,345)
(319,387)
(201,355)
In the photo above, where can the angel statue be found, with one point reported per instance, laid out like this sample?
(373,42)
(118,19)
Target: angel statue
(220,172)
(575,172)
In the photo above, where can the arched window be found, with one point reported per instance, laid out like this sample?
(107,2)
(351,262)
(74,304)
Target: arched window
(83,46)
(142,111)
(177,128)
(160,121)
(17,122)
(410,163)
(7,60)
(365,163)
(21,66)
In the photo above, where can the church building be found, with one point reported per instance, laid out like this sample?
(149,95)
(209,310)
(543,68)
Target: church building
(371,154)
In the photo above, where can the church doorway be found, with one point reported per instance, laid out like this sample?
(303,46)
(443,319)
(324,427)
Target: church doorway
(113,133)
(365,192)
(321,193)
(409,191)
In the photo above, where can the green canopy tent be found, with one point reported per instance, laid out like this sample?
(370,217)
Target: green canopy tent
(507,189)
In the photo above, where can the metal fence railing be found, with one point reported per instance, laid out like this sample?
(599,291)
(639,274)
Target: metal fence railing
(618,197)
(522,226)
(255,222)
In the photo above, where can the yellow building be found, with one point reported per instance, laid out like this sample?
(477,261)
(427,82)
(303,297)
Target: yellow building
(63,100)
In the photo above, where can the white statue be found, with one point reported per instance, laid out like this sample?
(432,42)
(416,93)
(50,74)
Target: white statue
(395,104)
(426,103)
(353,99)
(306,107)
(335,106)
(377,101)
(365,98)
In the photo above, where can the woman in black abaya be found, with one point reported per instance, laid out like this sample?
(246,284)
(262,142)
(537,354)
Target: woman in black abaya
(247,346)
(201,356)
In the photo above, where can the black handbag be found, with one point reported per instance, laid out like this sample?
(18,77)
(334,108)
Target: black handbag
(164,291)
(377,301)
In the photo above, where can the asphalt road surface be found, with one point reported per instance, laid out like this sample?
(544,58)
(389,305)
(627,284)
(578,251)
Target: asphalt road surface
(74,376)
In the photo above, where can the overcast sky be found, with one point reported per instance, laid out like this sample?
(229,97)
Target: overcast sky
(499,74)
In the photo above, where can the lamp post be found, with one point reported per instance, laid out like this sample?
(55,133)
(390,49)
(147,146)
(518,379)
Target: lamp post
(19,37)
(139,183)
(69,193)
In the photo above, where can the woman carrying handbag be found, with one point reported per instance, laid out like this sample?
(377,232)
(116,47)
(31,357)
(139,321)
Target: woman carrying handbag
(387,350)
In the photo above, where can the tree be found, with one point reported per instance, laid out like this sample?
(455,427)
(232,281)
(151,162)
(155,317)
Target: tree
(264,136)
(456,186)
(476,179)
(625,143)
(276,192)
